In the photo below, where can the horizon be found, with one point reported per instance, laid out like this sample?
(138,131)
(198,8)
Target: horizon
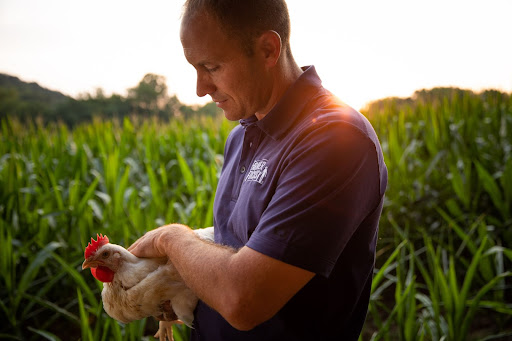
(78,97)
(406,46)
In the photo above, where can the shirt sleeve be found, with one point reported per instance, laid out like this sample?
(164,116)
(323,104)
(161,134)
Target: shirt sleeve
(327,186)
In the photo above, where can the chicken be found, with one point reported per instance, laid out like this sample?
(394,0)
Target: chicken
(135,288)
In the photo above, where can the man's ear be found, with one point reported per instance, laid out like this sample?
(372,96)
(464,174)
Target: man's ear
(269,47)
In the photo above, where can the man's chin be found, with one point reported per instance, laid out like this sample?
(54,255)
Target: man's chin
(231,117)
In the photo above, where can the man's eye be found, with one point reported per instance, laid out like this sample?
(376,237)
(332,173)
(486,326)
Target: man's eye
(211,68)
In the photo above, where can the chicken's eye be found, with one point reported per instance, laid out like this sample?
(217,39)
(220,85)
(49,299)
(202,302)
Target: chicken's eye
(105,254)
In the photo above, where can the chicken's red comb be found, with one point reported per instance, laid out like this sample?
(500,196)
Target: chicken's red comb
(95,245)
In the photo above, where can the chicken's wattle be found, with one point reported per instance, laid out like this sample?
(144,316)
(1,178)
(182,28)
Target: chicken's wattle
(103,274)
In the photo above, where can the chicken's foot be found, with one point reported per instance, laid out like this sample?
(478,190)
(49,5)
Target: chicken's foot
(165,330)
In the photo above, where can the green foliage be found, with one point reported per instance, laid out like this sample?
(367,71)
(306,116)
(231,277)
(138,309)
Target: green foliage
(31,92)
(149,94)
(443,258)
(449,155)
(28,102)
(60,187)
(433,300)
(451,149)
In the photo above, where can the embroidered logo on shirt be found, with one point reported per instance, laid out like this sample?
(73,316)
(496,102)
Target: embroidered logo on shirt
(258,171)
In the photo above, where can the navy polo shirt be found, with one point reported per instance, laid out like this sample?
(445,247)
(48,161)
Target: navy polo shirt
(304,185)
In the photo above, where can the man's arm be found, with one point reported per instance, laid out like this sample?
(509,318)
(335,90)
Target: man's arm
(246,287)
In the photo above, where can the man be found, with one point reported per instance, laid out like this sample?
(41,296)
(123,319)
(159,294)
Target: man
(299,197)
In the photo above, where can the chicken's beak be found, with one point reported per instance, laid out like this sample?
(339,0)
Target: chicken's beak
(89,263)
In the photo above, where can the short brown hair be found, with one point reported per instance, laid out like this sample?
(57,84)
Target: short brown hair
(246,20)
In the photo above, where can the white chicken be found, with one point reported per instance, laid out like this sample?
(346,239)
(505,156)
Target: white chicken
(135,288)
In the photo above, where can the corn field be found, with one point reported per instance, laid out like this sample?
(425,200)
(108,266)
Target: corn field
(444,256)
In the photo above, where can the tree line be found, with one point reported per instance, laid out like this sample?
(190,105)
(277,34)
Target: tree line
(31,102)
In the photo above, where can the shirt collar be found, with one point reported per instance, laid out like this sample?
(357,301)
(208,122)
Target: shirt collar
(290,106)
(248,121)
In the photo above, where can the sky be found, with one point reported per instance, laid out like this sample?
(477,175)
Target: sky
(363,50)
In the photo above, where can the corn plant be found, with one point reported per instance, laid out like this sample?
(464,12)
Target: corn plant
(60,187)
(445,234)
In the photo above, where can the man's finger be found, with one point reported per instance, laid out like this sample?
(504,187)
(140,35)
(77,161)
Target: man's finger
(134,245)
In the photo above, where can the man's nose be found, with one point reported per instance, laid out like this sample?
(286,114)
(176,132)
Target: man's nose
(204,84)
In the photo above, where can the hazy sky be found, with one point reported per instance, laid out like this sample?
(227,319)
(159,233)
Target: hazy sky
(362,49)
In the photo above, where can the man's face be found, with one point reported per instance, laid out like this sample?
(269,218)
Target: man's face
(237,83)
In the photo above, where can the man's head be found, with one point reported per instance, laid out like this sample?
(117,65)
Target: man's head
(239,50)
(245,20)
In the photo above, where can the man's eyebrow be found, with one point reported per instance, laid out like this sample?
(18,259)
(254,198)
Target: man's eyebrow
(198,64)
(202,62)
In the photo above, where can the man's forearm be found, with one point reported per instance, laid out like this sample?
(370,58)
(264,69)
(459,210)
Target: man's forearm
(207,268)
(244,286)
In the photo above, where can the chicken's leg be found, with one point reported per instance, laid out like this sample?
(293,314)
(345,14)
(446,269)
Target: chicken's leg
(165,331)
(167,319)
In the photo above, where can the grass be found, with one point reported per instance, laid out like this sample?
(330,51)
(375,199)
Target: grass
(444,253)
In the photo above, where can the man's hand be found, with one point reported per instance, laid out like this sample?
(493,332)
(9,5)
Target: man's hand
(152,244)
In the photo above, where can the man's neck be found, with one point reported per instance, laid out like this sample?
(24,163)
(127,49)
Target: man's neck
(287,73)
